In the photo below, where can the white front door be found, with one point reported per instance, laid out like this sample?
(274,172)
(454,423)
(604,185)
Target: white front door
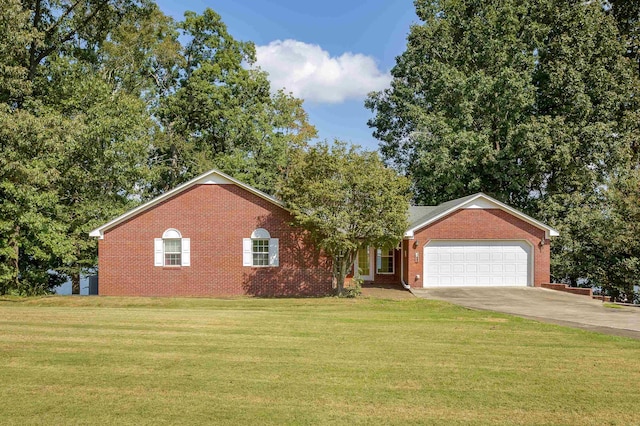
(364,264)
(477,263)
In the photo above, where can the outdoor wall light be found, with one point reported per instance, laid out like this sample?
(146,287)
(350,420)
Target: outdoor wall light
(417,257)
(415,244)
(541,243)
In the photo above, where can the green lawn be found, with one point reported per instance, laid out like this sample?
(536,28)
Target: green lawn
(78,360)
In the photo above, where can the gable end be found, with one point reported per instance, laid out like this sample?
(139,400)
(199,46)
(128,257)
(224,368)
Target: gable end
(477,201)
(212,177)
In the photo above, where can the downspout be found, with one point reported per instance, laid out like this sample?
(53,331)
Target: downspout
(405,285)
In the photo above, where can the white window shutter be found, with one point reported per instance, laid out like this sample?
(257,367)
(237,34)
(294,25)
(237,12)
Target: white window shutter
(273,252)
(158,250)
(186,252)
(247,255)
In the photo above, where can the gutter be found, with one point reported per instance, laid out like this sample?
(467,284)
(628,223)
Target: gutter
(405,285)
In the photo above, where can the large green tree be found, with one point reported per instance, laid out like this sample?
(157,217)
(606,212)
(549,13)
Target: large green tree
(68,139)
(106,102)
(533,102)
(627,15)
(345,199)
(32,236)
(102,171)
(221,113)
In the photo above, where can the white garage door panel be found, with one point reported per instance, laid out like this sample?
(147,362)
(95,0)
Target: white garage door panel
(476,263)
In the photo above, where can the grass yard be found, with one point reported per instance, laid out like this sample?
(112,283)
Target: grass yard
(97,360)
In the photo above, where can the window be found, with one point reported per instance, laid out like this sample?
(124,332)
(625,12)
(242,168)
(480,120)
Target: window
(172,249)
(172,252)
(260,250)
(364,265)
(384,261)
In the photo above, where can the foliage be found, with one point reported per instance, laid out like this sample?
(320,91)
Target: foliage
(345,199)
(627,15)
(105,102)
(353,290)
(220,112)
(532,102)
(32,236)
(15,33)
(615,256)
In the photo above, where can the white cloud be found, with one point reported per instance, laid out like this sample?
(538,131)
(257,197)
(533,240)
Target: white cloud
(310,73)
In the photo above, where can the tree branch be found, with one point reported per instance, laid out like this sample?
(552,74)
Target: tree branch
(46,52)
(37,14)
(56,24)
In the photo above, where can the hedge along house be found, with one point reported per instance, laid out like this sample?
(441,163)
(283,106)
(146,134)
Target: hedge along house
(216,236)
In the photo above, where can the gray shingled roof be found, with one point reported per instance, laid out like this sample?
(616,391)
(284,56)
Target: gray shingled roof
(421,214)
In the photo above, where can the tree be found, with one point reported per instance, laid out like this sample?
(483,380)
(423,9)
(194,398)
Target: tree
(32,236)
(345,199)
(533,102)
(102,171)
(220,113)
(627,15)
(614,255)
(106,102)
(64,140)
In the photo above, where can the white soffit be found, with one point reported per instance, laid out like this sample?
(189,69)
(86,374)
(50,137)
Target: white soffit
(214,179)
(480,203)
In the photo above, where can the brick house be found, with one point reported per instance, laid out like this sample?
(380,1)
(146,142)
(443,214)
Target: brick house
(216,236)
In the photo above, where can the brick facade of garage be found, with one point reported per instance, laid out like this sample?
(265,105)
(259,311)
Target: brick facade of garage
(477,224)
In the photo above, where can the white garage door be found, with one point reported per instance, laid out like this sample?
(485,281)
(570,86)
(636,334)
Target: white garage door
(476,263)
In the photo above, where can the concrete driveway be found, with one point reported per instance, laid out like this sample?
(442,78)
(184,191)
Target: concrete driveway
(543,305)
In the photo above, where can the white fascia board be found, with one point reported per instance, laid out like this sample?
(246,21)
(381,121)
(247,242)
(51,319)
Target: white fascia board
(205,178)
(549,232)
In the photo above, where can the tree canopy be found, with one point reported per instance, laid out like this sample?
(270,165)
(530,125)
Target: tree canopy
(104,103)
(532,102)
(346,199)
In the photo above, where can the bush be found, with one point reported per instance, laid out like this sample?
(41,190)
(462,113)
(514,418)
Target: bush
(354,290)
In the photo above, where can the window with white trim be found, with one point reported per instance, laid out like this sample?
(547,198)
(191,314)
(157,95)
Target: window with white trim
(172,249)
(260,250)
(385,261)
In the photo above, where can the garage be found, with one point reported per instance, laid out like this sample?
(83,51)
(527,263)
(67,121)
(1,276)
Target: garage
(482,263)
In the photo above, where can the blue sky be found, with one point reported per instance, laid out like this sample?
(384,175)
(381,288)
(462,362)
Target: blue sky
(329,53)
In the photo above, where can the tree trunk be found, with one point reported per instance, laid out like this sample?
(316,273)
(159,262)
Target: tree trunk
(337,274)
(75,283)
(16,260)
(341,265)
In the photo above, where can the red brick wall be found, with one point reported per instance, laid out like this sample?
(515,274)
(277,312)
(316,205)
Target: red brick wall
(216,218)
(482,224)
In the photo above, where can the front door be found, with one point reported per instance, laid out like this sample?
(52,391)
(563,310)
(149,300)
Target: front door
(364,264)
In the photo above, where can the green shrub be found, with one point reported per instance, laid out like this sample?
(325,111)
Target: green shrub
(353,290)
